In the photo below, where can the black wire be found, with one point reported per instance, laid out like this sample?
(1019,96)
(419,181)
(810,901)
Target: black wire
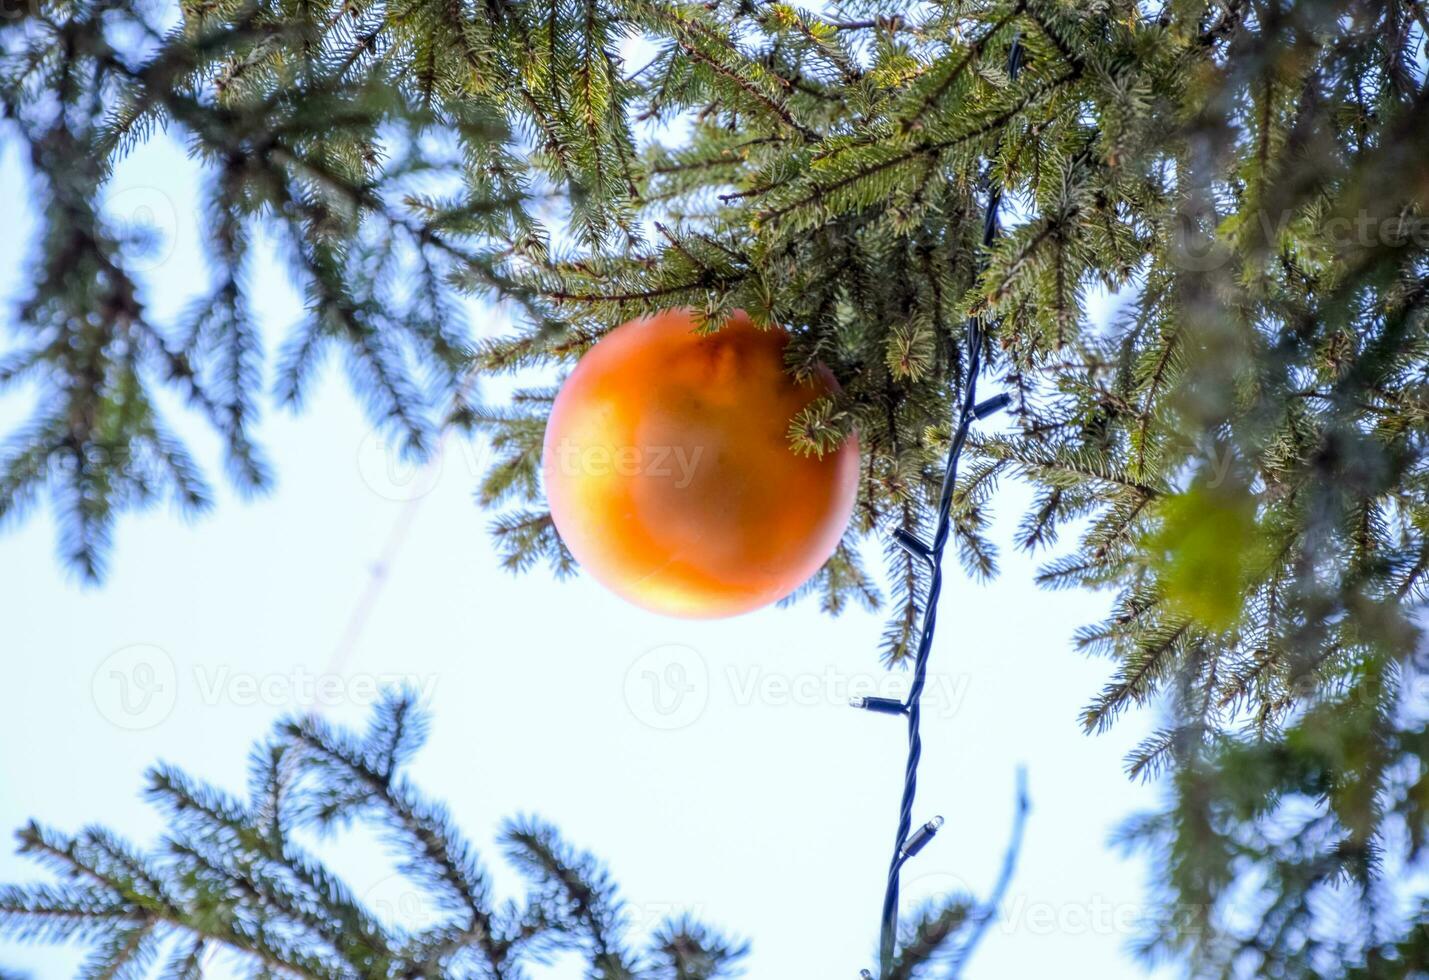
(933,557)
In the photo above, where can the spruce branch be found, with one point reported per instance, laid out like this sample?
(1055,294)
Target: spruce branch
(226,877)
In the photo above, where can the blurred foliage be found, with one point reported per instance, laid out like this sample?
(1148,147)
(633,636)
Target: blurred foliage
(1202,552)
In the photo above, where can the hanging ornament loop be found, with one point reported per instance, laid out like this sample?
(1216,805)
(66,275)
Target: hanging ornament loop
(910,841)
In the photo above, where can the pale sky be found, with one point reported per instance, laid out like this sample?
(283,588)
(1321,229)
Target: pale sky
(714,765)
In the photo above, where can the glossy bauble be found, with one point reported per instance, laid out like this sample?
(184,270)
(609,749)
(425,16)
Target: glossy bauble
(669,473)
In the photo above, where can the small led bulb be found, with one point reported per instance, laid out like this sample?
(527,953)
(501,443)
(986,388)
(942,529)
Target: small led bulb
(920,837)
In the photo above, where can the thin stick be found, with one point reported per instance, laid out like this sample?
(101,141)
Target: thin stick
(991,908)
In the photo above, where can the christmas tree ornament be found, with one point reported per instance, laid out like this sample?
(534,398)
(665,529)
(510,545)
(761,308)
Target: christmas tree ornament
(669,472)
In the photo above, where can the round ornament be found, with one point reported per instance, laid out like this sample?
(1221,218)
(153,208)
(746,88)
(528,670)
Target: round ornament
(669,473)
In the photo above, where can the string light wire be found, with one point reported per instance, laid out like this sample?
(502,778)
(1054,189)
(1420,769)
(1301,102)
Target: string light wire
(908,841)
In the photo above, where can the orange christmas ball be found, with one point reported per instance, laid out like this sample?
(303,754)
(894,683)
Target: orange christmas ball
(669,473)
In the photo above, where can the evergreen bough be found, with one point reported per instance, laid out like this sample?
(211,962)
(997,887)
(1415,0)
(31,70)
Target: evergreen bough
(236,882)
